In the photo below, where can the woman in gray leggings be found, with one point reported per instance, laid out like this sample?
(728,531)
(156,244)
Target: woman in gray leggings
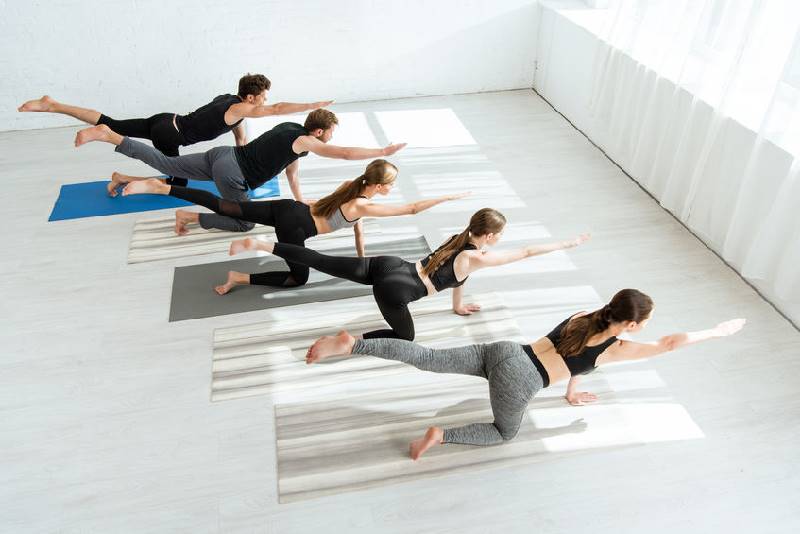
(517,372)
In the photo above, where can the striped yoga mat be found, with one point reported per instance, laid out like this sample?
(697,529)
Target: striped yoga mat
(155,239)
(342,445)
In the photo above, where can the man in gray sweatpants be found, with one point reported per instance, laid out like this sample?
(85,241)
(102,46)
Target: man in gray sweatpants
(218,164)
(236,169)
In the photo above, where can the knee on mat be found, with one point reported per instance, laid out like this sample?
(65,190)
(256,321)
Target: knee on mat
(244,226)
(407,335)
(508,433)
(295,280)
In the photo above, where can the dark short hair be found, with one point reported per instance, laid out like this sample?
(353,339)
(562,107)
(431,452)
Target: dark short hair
(253,84)
(320,118)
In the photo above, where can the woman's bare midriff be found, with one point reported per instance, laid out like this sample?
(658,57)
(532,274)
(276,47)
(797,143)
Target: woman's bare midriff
(321,224)
(425,279)
(551,360)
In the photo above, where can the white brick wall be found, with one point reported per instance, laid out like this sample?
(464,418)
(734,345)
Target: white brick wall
(132,58)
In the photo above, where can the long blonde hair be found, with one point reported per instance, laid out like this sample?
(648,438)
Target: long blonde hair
(484,221)
(378,171)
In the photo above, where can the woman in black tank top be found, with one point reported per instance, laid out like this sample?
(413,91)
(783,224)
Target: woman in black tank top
(169,131)
(516,373)
(396,282)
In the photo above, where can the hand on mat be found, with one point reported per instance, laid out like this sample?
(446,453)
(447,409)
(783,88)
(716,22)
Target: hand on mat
(388,150)
(579,398)
(467,309)
(577,241)
(728,328)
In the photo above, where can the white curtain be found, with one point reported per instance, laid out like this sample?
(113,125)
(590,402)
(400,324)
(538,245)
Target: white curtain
(699,100)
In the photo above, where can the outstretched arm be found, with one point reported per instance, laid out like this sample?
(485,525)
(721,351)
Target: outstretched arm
(244,110)
(493,259)
(312,144)
(629,350)
(358,230)
(368,209)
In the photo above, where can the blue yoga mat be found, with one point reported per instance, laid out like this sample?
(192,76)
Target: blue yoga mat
(90,199)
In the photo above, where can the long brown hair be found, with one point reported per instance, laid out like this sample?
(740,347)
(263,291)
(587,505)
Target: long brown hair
(484,221)
(378,171)
(627,305)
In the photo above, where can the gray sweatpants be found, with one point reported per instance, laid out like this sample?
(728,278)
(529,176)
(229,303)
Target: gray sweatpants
(513,380)
(218,164)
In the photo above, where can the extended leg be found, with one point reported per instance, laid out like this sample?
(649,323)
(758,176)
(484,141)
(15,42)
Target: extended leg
(350,268)
(48,105)
(465,360)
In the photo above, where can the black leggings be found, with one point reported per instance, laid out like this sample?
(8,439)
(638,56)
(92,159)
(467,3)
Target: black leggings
(394,282)
(159,129)
(291,219)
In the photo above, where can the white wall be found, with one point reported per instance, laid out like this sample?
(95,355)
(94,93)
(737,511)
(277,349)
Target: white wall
(138,57)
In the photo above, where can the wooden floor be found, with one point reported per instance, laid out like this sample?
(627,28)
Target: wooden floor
(105,419)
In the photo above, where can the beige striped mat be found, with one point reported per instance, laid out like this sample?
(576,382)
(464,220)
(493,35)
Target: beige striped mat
(342,445)
(155,239)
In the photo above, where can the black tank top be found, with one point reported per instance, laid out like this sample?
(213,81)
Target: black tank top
(267,155)
(445,277)
(207,122)
(583,363)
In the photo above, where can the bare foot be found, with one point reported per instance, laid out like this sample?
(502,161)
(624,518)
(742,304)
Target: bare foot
(138,187)
(117,180)
(243,245)
(40,104)
(182,218)
(101,132)
(235,278)
(326,346)
(432,437)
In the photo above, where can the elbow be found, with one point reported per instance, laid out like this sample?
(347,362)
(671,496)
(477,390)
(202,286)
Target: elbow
(413,209)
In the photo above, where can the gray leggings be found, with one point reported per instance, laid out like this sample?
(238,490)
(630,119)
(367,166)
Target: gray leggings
(513,380)
(218,164)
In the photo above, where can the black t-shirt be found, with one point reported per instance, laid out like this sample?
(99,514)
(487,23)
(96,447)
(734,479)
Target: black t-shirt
(268,154)
(207,122)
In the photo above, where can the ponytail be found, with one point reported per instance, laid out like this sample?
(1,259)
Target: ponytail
(327,206)
(626,305)
(484,221)
(377,172)
(447,249)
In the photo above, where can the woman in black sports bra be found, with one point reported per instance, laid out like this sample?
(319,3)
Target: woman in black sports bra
(396,282)
(517,372)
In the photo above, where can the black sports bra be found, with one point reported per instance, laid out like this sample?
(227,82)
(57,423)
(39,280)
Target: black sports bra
(582,363)
(445,276)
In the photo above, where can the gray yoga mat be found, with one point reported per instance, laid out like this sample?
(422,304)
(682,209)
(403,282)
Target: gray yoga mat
(193,295)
